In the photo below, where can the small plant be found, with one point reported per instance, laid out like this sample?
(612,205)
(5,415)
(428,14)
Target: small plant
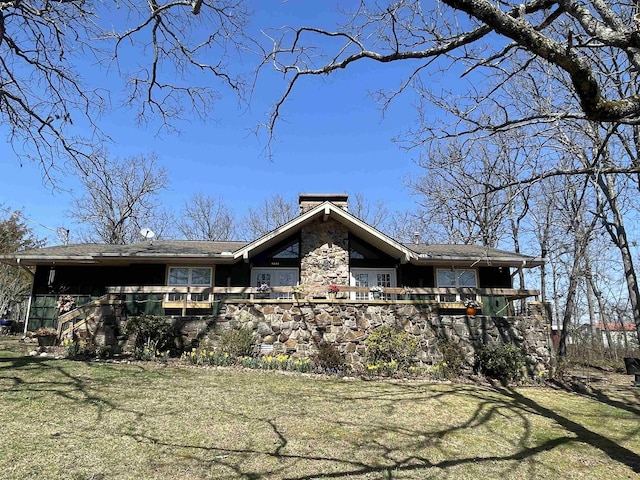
(79,348)
(72,347)
(502,362)
(471,303)
(376,289)
(263,288)
(439,371)
(303,365)
(406,291)
(236,342)
(250,362)
(147,351)
(297,290)
(152,334)
(104,351)
(333,288)
(386,344)
(329,358)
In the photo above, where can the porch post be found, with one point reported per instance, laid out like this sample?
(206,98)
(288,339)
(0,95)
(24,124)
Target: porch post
(28,314)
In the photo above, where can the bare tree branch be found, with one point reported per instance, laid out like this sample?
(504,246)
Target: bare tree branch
(50,106)
(119,197)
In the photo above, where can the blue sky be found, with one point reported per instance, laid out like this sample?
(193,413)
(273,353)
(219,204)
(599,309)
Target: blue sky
(332,139)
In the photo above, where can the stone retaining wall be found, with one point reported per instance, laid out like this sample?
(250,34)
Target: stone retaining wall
(298,329)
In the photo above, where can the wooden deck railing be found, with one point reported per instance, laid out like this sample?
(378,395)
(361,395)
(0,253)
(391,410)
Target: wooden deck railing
(312,292)
(73,317)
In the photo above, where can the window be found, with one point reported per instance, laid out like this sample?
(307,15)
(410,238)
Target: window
(291,251)
(275,277)
(456,278)
(370,277)
(189,277)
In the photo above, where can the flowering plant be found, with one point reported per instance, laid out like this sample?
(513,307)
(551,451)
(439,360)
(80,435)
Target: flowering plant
(333,288)
(66,303)
(377,289)
(406,291)
(263,288)
(297,289)
(471,303)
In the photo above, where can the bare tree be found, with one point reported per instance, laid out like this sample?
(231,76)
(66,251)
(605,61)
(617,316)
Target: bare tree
(482,40)
(270,214)
(409,227)
(456,193)
(375,214)
(205,218)
(51,108)
(119,197)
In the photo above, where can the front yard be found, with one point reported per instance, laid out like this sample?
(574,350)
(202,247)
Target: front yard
(63,419)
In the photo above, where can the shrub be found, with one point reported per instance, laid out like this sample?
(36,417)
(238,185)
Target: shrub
(329,358)
(153,334)
(453,359)
(503,362)
(387,344)
(237,342)
(104,351)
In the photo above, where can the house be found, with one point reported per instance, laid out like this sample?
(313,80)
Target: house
(351,279)
(622,335)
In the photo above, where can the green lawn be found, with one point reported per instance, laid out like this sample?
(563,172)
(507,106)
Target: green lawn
(62,419)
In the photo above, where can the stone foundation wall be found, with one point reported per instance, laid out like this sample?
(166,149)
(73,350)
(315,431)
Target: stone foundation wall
(297,329)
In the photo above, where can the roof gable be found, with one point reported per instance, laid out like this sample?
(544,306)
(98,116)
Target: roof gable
(325,211)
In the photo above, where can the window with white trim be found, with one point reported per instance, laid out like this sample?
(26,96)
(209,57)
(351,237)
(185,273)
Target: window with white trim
(370,277)
(189,277)
(456,278)
(275,277)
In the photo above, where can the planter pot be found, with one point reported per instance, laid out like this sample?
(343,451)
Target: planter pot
(471,311)
(46,340)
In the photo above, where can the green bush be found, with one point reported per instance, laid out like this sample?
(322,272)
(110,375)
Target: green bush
(387,344)
(503,362)
(236,342)
(329,358)
(153,334)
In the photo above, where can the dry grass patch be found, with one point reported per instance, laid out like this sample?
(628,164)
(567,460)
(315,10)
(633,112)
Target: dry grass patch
(75,420)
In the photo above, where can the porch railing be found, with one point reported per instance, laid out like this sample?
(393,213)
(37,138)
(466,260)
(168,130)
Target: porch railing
(184,298)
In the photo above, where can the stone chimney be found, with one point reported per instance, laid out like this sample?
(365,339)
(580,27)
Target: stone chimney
(307,201)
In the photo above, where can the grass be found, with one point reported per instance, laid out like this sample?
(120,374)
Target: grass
(62,419)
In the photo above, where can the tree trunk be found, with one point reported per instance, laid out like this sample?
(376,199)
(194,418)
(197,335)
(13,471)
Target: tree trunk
(618,234)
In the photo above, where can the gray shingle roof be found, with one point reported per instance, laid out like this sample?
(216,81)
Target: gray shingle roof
(471,252)
(157,248)
(160,249)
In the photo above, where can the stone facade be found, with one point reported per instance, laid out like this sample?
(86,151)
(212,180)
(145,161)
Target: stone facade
(324,255)
(297,329)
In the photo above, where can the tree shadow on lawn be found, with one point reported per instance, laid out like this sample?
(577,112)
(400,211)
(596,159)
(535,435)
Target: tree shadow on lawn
(390,458)
(50,376)
(395,458)
(631,403)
